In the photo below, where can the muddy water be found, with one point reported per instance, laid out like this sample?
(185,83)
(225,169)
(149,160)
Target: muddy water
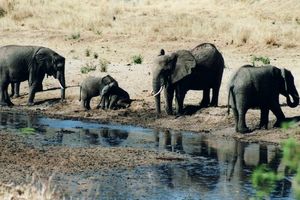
(221,169)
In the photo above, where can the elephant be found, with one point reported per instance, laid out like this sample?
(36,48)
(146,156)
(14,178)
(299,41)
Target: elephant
(93,86)
(198,69)
(260,87)
(32,63)
(114,97)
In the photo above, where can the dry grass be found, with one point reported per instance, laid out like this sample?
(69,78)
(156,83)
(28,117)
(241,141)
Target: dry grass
(37,189)
(243,22)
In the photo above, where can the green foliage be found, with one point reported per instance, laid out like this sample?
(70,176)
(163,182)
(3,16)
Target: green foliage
(87,68)
(262,59)
(137,59)
(289,124)
(263,180)
(103,65)
(27,131)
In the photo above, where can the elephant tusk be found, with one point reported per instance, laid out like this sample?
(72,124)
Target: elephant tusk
(161,88)
(61,86)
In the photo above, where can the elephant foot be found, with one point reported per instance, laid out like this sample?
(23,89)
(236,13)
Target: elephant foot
(204,104)
(277,124)
(16,95)
(2,103)
(244,130)
(30,104)
(213,105)
(169,112)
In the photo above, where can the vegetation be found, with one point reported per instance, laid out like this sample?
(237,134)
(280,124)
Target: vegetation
(75,36)
(261,59)
(88,68)
(264,179)
(87,52)
(27,131)
(103,65)
(137,59)
(96,55)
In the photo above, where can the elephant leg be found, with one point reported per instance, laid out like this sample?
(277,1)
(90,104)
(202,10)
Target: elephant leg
(16,87)
(215,96)
(12,85)
(31,95)
(113,102)
(87,103)
(169,95)
(179,101)
(264,117)
(241,106)
(7,97)
(236,118)
(205,100)
(275,108)
(3,101)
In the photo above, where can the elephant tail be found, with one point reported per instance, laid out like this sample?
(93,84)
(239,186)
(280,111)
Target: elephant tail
(230,93)
(80,93)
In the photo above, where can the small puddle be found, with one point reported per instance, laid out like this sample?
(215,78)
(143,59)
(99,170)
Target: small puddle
(222,169)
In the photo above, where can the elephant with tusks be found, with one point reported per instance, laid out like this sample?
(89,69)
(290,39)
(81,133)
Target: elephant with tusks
(198,69)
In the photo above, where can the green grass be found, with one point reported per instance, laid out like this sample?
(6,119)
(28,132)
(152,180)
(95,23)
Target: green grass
(137,59)
(87,68)
(27,131)
(75,36)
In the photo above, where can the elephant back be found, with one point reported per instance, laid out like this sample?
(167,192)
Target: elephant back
(208,56)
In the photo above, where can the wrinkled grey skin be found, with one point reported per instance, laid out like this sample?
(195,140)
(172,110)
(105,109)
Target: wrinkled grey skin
(260,87)
(198,69)
(93,86)
(21,63)
(114,97)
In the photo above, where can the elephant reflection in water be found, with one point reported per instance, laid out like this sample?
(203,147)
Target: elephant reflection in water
(113,137)
(15,120)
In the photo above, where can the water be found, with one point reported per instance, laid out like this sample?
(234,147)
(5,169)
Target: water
(221,170)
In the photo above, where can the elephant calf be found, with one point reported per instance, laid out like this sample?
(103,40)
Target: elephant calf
(93,86)
(114,97)
(260,87)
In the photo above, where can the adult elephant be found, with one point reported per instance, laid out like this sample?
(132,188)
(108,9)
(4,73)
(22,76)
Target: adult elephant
(198,69)
(20,63)
(260,87)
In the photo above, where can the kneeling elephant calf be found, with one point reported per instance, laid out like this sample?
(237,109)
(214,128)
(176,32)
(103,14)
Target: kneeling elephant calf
(114,97)
(93,86)
(260,87)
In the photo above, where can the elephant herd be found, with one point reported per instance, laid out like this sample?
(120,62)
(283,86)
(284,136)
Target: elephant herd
(200,68)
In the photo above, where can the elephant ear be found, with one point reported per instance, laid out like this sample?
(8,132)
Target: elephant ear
(36,70)
(184,64)
(283,74)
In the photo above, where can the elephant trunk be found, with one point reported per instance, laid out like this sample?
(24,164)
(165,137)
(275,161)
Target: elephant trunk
(156,87)
(295,97)
(61,79)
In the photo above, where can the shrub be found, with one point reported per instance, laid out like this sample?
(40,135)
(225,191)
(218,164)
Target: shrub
(103,65)
(137,59)
(95,55)
(75,36)
(264,60)
(87,68)
(87,53)
(2,12)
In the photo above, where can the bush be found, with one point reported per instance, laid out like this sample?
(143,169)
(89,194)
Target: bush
(2,12)
(137,59)
(75,36)
(262,59)
(87,53)
(88,68)
(103,65)
(96,55)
